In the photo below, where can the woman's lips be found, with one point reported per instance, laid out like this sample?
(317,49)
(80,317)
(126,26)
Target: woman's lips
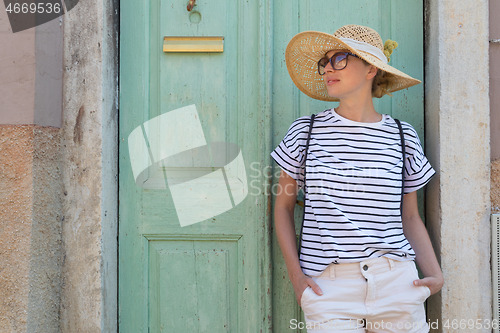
(330,81)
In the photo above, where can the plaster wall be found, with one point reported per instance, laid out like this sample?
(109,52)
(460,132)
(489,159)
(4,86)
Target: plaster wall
(56,183)
(30,229)
(17,68)
(31,74)
(495,186)
(48,74)
(30,185)
(15,231)
(457,143)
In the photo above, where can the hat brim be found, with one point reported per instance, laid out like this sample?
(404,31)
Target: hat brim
(306,48)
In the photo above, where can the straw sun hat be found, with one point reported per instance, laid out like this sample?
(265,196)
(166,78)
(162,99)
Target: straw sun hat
(306,48)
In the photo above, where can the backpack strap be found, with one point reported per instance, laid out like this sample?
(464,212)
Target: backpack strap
(305,173)
(403,151)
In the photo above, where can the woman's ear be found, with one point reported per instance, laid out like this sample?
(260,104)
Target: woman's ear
(372,72)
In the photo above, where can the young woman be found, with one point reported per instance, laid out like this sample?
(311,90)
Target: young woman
(360,237)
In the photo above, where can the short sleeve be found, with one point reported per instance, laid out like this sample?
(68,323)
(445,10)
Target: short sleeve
(418,170)
(289,154)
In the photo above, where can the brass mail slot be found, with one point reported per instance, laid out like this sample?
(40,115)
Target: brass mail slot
(193,44)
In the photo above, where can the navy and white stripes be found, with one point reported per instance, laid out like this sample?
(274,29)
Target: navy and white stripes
(353,187)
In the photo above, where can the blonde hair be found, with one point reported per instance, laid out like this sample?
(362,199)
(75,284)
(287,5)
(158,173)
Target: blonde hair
(380,85)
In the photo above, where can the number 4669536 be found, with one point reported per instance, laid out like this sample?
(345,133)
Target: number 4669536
(33,8)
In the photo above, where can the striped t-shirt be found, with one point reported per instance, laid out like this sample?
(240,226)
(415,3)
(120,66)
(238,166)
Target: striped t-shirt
(353,185)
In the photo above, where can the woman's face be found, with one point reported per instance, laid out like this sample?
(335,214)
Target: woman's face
(352,81)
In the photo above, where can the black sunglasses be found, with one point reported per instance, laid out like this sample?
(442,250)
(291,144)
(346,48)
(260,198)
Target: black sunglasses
(338,61)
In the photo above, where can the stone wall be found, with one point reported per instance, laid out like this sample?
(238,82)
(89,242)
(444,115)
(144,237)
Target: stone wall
(458,145)
(89,133)
(495,104)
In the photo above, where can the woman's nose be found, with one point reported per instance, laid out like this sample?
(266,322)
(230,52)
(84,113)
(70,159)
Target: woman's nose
(328,67)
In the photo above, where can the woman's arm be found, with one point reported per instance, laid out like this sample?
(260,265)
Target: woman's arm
(416,233)
(285,232)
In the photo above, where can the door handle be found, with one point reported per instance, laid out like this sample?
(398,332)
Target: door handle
(191,5)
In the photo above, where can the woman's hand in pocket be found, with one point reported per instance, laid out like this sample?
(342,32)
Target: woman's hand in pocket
(301,282)
(434,283)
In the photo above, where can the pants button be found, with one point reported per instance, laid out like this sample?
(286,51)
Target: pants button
(365,267)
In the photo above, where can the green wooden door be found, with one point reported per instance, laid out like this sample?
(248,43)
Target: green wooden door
(196,247)
(193,234)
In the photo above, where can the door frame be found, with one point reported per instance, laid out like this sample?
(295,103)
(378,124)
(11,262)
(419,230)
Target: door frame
(108,195)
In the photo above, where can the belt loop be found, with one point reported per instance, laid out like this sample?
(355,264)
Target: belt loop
(332,271)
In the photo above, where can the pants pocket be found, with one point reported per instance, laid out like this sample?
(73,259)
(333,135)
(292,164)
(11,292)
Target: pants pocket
(302,297)
(427,292)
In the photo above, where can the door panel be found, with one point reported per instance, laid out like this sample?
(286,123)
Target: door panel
(192,240)
(197,252)
(189,265)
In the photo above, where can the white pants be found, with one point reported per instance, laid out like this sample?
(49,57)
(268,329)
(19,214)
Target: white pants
(375,295)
